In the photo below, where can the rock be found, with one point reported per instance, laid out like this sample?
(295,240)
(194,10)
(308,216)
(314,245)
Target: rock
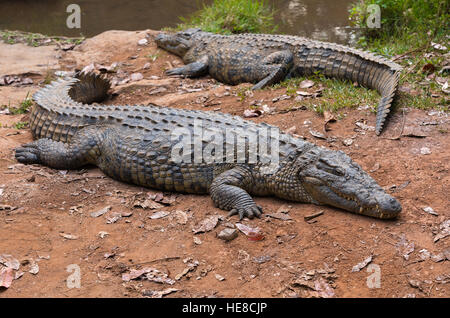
(159,215)
(34,269)
(68,236)
(430,210)
(114,218)
(197,240)
(424,254)
(425,151)
(136,77)
(375,167)
(100,212)
(146,66)
(219,277)
(291,130)
(228,234)
(347,142)
(262,259)
(102,234)
(143,42)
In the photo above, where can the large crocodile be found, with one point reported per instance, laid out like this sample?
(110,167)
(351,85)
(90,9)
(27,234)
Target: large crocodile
(266,59)
(141,145)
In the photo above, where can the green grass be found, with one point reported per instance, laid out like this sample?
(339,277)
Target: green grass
(21,125)
(36,39)
(336,95)
(24,106)
(153,56)
(407,29)
(232,16)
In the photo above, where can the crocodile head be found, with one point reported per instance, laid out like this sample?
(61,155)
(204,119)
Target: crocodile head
(332,178)
(177,43)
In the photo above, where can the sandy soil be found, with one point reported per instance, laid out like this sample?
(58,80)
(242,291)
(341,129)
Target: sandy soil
(46,220)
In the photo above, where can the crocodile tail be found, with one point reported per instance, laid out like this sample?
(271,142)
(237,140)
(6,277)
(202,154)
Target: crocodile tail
(91,88)
(364,68)
(387,87)
(60,108)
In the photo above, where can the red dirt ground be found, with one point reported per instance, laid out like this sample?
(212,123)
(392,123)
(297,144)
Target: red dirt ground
(295,258)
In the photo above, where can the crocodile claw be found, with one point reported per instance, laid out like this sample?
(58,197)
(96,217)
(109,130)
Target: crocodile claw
(250,212)
(175,71)
(28,153)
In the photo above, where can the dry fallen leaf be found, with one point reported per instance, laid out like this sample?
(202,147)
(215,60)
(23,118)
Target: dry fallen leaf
(6,277)
(207,224)
(253,234)
(306,84)
(363,264)
(248,113)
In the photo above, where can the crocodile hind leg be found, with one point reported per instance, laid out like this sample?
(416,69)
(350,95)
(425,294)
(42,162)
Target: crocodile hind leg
(195,69)
(279,64)
(83,149)
(227,192)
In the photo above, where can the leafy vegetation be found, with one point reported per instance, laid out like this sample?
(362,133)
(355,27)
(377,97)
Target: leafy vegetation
(414,34)
(36,39)
(233,16)
(23,108)
(21,125)
(336,94)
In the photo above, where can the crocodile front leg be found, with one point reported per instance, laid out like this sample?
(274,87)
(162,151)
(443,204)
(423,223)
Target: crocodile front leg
(83,149)
(195,69)
(227,192)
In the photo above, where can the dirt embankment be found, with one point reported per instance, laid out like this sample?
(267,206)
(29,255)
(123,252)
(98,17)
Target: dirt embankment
(144,243)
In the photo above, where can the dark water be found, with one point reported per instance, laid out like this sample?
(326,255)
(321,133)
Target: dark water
(319,19)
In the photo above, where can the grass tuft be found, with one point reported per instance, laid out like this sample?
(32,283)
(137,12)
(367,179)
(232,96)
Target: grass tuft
(233,16)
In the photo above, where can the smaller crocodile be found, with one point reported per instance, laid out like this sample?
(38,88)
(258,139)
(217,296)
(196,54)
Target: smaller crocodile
(265,59)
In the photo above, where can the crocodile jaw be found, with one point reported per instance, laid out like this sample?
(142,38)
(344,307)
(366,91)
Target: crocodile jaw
(332,178)
(379,204)
(173,43)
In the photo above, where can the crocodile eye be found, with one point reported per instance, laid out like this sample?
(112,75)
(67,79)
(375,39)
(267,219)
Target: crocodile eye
(332,169)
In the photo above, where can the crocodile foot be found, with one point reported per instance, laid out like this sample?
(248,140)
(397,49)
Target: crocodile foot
(28,153)
(250,212)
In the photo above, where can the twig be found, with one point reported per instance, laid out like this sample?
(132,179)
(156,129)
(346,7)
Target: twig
(159,260)
(410,51)
(312,216)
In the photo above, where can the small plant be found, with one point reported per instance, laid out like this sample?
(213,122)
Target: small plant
(21,125)
(242,93)
(233,16)
(153,56)
(8,37)
(49,77)
(23,107)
